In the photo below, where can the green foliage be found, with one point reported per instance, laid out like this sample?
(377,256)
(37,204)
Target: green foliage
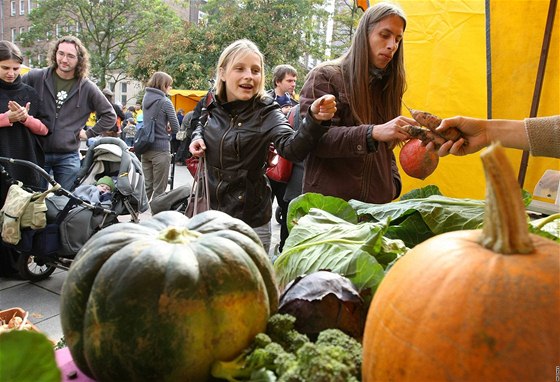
(284,30)
(27,356)
(334,357)
(335,239)
(109,30)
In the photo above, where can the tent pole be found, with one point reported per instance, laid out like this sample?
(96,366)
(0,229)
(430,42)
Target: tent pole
(538,83)
(489,102)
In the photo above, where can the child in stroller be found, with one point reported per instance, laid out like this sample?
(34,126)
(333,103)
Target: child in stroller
(98,192)
(71,220)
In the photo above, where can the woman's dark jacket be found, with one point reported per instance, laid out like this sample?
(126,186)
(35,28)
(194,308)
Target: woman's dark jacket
(237,136)
(343,165)
(17,141)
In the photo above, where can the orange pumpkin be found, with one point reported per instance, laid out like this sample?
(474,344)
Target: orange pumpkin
(479,305)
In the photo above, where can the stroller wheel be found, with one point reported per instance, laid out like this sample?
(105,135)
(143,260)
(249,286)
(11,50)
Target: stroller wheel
(32,268)
(278,215)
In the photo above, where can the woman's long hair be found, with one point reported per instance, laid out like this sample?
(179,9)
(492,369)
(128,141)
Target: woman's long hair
(232,54)
(382,101)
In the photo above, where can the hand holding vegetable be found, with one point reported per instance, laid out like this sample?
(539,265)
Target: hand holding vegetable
(323,108)
(197,147)
(394,130)
(479,133)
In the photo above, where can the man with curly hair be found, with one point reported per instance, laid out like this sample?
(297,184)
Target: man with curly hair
(69,96)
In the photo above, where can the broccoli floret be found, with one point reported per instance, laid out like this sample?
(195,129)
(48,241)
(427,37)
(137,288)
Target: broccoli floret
(262,355)
(280,329)
(338,338)
(292,357)
(322,363)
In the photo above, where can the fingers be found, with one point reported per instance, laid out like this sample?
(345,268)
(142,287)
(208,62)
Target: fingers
(324,107)
(444,149)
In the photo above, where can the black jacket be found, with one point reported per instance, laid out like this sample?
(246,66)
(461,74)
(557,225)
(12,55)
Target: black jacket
(237,137)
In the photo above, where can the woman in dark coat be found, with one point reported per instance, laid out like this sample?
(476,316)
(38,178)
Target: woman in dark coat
(21,122)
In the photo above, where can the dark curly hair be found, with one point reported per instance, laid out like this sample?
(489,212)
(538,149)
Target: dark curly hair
(82,68)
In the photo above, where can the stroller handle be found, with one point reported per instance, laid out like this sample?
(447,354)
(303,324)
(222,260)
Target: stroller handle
(55,185)
(32,165)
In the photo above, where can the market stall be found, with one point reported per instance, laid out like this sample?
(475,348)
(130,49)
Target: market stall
(484,59)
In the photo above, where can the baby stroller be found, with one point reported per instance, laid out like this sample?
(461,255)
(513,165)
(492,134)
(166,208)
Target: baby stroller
(66,222)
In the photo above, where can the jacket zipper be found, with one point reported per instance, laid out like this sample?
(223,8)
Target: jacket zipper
(230,127)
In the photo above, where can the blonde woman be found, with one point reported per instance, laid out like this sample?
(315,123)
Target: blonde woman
(242,121)
(156,160)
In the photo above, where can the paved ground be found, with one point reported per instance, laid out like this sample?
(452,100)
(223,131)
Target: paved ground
(42,299)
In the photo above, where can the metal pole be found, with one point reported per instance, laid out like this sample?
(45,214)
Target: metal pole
(538,83)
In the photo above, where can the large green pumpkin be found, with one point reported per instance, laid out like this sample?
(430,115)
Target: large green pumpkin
(163,299)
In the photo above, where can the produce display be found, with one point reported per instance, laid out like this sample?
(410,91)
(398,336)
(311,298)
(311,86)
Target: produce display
(324,300)
(416,161)
(164,299)
(476,305)
(282,354)
(453,289)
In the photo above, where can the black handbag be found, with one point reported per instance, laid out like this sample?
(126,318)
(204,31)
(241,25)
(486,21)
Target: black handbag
(146,135)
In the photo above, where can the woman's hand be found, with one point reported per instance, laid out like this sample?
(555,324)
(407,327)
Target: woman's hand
(197,148)
(18,113)
(323,108)
(393,131)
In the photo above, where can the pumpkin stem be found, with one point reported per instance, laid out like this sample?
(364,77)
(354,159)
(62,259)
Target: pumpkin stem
(178,235)
(505,221)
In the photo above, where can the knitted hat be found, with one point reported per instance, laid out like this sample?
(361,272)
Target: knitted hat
(284,100)
(108,181)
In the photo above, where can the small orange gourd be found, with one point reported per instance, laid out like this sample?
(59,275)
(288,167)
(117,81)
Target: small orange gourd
(478,305)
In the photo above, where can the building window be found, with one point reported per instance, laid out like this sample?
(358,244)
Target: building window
(123,99)
(21,30)
(29,6)
(14,34)
(22,7)
(123,87)
(13,8)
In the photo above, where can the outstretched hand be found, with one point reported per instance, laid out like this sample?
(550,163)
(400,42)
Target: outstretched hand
(323,108)
(474,132)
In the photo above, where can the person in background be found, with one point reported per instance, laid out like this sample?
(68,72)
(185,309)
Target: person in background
(174,142)
(284,78)
(70,96)
(129,132)
(116,130)
(355,159)
(183,151)
(157,159)
(22,122)
(540,136)
(241,121)
(137,110)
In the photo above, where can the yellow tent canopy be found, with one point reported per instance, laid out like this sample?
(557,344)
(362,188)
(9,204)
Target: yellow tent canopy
(186,99)
(481,59)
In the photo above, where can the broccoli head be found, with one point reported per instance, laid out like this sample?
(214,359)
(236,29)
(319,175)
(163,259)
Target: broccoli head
(280,329)
(322,363)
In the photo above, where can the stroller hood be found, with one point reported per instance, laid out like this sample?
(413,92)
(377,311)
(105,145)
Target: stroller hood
(111,155)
